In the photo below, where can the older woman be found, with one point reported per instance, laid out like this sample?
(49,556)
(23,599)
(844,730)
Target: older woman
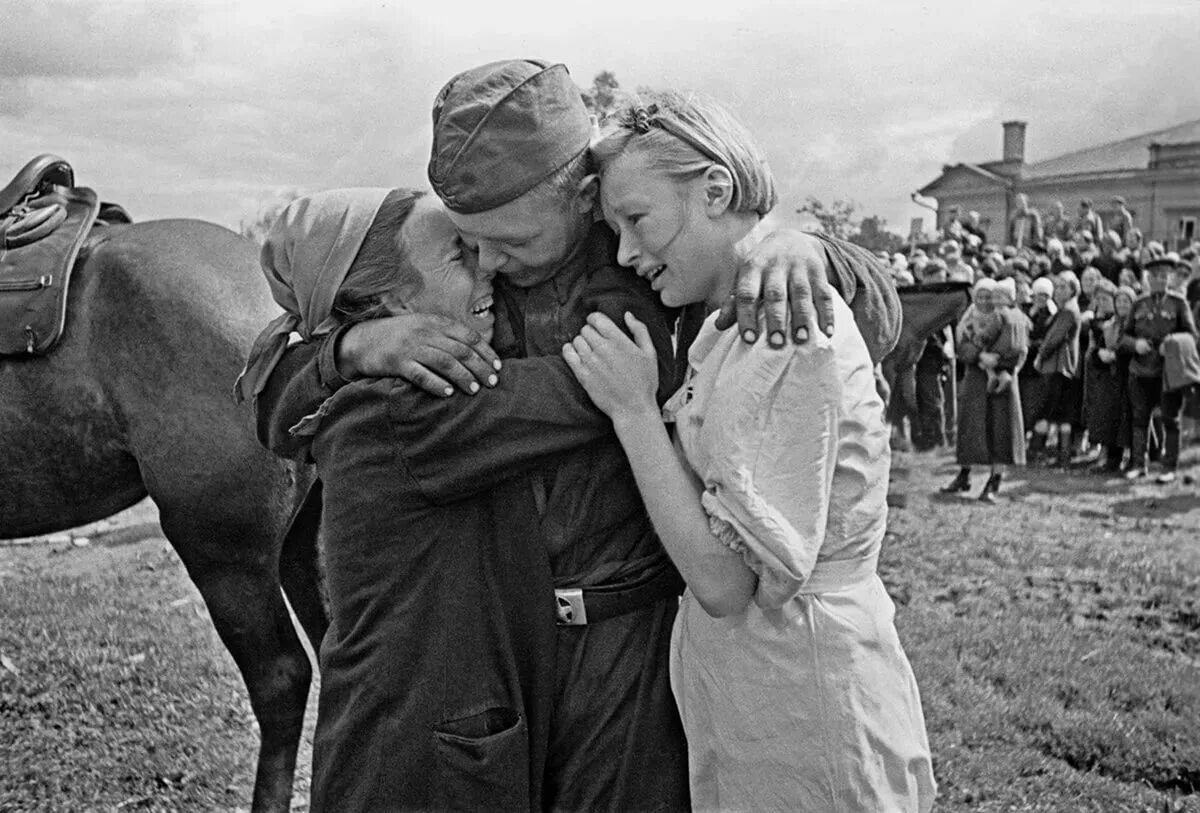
(1057,361)
(437,673)
(991,430)
(1104,377)
(793,688)
(1040,311)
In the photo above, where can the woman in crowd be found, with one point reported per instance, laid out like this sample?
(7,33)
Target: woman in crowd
(1104,376)
(991,430)
(1041,311)
(793,687)
(1088,280)
(1057,361)
(1131,279)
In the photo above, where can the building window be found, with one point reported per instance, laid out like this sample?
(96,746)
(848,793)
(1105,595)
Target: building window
(1187,230)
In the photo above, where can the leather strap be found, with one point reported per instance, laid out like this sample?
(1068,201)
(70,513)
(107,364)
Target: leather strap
(579,606)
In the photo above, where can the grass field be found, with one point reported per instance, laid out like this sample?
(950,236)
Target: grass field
(1055,636)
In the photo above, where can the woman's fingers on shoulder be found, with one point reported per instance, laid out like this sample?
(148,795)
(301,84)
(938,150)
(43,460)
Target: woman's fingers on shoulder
(602,324)
(641,334)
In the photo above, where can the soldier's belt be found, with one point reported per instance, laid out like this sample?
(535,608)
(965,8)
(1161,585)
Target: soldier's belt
(579,606)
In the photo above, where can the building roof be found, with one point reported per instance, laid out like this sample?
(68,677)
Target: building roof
(974,169)
(1128,153)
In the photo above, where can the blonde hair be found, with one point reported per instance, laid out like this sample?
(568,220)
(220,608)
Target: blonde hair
(683,134)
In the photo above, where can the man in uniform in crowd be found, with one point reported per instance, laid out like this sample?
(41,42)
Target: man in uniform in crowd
(1025,227)
(975,226)
(1089,219)
(1057,224)
(510,162)
(1122,221)
(1150,331)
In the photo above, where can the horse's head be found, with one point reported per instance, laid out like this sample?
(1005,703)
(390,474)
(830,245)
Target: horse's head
(926,309)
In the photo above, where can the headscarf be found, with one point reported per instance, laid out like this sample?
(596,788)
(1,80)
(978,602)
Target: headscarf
(984,284)
(306,256)
(1006,288)
(1042,285)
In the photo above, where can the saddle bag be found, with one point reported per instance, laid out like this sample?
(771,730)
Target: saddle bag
(44,220)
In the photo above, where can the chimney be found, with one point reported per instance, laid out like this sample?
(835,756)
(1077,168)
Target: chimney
(1014,142)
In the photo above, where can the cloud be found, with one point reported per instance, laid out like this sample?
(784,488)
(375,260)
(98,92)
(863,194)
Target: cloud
(205,108)
(77,38)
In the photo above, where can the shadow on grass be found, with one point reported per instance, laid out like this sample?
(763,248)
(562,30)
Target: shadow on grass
(1076,482)
(1157,506)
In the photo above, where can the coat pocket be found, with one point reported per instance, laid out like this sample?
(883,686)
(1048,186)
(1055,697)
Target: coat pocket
(483,761)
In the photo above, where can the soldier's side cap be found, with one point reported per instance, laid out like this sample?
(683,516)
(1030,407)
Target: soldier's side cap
(501,129)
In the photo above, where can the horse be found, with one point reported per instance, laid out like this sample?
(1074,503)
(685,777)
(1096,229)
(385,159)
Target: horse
(136,400)
(927,309)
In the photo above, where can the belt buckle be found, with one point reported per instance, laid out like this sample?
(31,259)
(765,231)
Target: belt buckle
(568,605)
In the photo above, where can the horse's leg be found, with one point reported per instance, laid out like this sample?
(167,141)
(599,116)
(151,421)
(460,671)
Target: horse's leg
(299,569)
(242,593)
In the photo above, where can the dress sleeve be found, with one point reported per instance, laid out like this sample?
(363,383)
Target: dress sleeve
(772,428)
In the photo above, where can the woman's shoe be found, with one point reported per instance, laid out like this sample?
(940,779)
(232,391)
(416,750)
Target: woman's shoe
(1037,446)
(991,488)
(960,483)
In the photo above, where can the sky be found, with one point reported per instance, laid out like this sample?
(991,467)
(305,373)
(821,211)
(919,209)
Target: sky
(216,110)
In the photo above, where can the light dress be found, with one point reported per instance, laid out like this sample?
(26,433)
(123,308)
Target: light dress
(805,701)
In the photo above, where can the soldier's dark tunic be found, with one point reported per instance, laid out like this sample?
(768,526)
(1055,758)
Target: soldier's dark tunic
(1154,317)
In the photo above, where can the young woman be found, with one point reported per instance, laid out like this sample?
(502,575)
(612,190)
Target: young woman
(1104,379)
(1057,361)
(793,688)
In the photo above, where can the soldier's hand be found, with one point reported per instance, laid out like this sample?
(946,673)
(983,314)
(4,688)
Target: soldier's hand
(785,274)
(432,352)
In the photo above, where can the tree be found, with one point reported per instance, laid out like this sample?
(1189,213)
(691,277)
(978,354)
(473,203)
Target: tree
(874,235)
(836,220)
(603,96)
(257,228)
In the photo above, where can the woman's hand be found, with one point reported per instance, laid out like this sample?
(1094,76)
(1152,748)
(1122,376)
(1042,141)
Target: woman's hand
(988,360)
(1106,355)
(620,374)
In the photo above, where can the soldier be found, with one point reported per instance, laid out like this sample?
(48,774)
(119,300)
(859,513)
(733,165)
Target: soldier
(1025,227)
(1057,224)
(1155,317)
(1089,220)
(1122,221)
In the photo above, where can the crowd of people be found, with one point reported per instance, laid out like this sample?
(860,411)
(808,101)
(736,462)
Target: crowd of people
(1080,341)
